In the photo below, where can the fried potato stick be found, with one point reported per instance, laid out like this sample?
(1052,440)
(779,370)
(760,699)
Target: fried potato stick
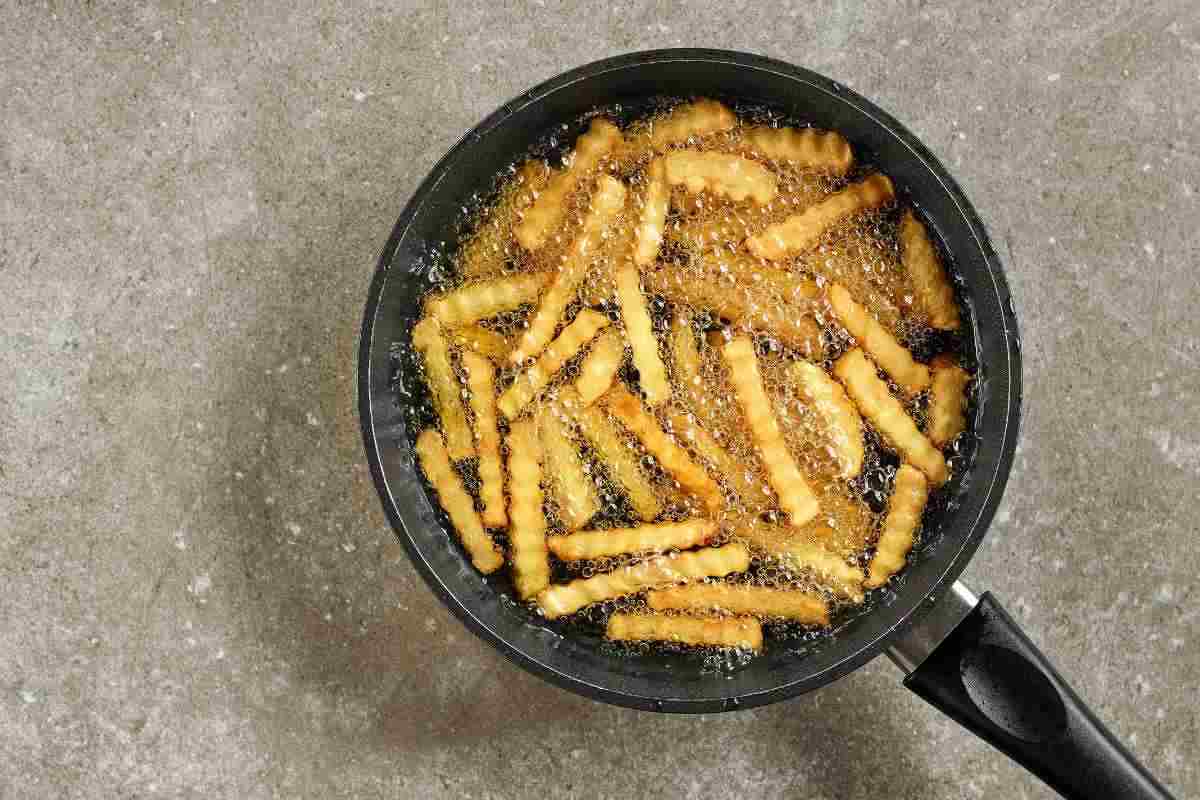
(527,532)
(905,507)
(755,601)
(478,300)
(876,340)
(600,365)
(749,489)
(429,341)
(885,412)
(802,231)
(796,498)
(653,219)
(825,151)
(801,552)
(570,483)
(435,461)
(747,307)
(652,374)
(617,457)
(484,341)
(481,381)
(691,119)
(799,292)
(486,252)
(932,291)
(664,570)
(547,211)
(583,328)
(722,174)
(673,458)
(642,539)
(606,204)
(742,633)
(947,401)
(842,422)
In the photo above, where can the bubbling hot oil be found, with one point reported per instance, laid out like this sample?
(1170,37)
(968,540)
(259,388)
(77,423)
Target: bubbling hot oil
(862,254)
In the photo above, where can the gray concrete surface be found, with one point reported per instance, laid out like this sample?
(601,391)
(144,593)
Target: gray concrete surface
(199,595)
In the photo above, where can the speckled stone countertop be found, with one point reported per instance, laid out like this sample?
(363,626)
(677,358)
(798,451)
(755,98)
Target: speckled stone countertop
(199,594)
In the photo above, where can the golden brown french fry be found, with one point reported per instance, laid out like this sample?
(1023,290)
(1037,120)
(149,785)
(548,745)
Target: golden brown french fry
(654,214)
(547,211)
(481,381)
(618,458)
(488,250)
(932,292)
(664,570)
(742,633)
(638,327)
(606,204)
(947,401)
(808,148)
(527,532)
(569,478)
(430,342)
(583,328)
(885,412)
(802,553)
(478,300)
(722,174)
(484,341)
(802,231)
(905,507)
(673,458)
(435,461)
(875,339)
(738,476)
(797,292)
(745,306)
(691,119)
(755,601)
(642,539)
(843,425)
(599,367)
(796,498)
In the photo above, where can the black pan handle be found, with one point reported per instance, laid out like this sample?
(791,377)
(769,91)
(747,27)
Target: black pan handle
(987,675)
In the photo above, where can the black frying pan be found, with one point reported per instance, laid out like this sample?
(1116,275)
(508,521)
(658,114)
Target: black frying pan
(963,655)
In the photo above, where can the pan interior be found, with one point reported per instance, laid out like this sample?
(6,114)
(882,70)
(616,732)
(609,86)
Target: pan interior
(422,244)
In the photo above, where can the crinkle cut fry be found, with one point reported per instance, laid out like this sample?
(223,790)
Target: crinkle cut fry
(802,553)
(599,367)
(435,461)
(888,416)
(750,491)
(699,118)
(659,538)
(931,288)
(481,381)
(572,486)
(527,385)
(655,202)
(478,300)
(528,554)
(796,497)
(486,342)
(619,461)
(430,342)
(807,148)
(947,413)
(755,601)
(875,339)
(673,458)
(486,252)
(905,507)
(723,174)
(547,211)
(743,633)
(803,231)
(843,425)
(639,328)
(606,204)
(707,562)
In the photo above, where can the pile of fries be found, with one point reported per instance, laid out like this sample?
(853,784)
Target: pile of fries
(620,327)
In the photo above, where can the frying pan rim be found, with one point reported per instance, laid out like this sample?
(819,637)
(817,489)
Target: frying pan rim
(953,562)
